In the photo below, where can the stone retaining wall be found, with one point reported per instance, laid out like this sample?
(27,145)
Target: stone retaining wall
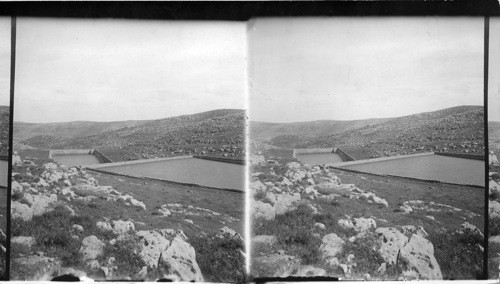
(69,152)
(107,165)
(465,156)
(343,155)
(102,159)
(312,151)
(221,159)
(379,159)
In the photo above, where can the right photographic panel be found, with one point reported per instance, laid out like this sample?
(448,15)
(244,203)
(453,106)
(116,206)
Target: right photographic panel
(367,155)
(494,148)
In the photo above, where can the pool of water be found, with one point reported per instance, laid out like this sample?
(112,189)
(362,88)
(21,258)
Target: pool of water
(4,172)
(71,160)
(430,167)
(319,158)
(188,170)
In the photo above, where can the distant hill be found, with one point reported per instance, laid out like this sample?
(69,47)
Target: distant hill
(4,129)
(266,130)
(217,132)
(456,129)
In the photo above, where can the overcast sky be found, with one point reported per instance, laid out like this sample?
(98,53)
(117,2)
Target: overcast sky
(110,70)
(4,61)
(358,68)
(494,71)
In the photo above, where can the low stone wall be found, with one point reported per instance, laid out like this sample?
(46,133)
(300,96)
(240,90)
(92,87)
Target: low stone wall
(465,156)
(102,159)
(343,155)
(107,165)
(379,159)
(312,151)
(69,152)
(221,159)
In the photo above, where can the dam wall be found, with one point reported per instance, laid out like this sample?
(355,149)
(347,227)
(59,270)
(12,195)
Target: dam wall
(70,152)
(312,151)
(102,159)
(465,156)
(100,166)
(343,155)
(380,159)
(221,159)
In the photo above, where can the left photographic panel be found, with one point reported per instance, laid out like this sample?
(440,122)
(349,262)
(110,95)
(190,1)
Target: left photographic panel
(129,147)
(5,57)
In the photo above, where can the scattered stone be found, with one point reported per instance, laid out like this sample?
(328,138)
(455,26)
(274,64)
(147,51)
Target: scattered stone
(262,210)
(331,246)
(264,239)
(91,248)
(22,240)
(364,224)
(320,226)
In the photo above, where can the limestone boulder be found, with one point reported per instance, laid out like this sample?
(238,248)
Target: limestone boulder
(286,202)
(419,255)
(364,224)
(494,188)
(178,261)
(23,240)
(331,245)
(152,245)
(391,241)
(494,209)
(21,211)
(260,209)
(492,159)
(91,248)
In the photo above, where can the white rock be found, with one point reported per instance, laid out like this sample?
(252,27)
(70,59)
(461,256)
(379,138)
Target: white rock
(331,245)
(91,248)
(419,255)
(180,260)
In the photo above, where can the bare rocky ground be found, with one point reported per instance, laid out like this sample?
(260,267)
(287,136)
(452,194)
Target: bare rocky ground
(66,220)
(315,221)
(494,213)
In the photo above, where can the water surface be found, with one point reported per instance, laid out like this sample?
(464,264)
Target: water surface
(71,160)
(430,167)
(319,158)
(188,170)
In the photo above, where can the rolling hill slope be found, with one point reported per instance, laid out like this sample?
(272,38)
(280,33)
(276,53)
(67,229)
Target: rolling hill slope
(457,129)
(217,132)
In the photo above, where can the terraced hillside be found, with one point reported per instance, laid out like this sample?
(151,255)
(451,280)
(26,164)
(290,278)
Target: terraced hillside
(217,133)
(457,129)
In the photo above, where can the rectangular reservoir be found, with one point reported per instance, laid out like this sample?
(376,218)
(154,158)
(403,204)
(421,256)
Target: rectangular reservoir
(185,170)
(427,167)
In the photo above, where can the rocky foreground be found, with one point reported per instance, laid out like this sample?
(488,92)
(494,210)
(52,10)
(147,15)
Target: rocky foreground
(494,218)
(60,226)
(306,222)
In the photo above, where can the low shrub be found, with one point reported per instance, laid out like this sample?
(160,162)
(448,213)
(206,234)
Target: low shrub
(220,259)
